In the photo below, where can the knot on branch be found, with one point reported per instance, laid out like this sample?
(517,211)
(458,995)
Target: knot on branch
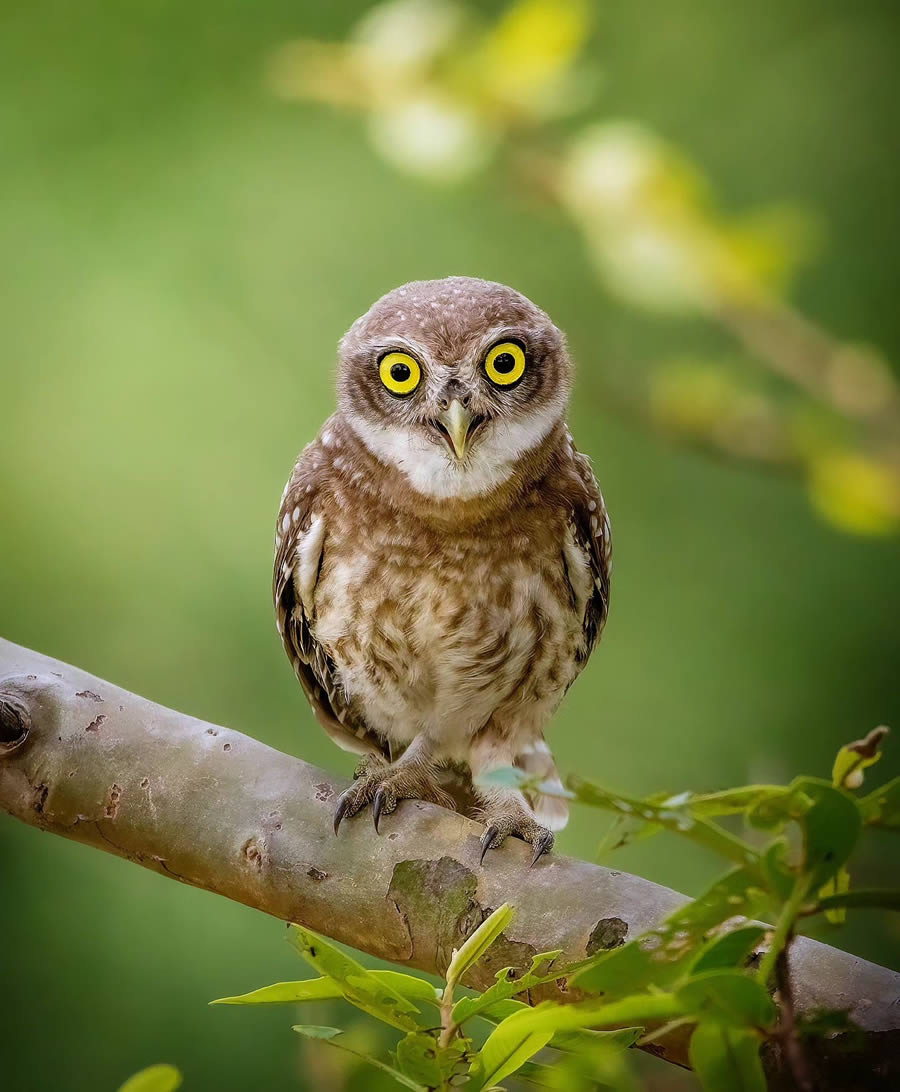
(15,723)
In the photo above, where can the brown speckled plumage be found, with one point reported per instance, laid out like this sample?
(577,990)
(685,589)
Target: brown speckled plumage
(436,607)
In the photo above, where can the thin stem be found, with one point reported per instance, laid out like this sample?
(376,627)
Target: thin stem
(794,1053)
(448,1027)
(784,928)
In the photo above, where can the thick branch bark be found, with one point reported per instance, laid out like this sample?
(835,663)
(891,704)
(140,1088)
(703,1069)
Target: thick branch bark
(219,810)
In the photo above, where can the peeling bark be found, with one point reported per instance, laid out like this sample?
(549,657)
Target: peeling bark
(218,810)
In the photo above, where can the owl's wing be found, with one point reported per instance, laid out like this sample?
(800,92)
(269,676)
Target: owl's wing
(300,537)
(588,553)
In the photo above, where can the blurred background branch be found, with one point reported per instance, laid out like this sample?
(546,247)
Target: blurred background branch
(459,91)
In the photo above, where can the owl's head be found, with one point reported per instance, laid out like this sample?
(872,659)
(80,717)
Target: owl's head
(453,382)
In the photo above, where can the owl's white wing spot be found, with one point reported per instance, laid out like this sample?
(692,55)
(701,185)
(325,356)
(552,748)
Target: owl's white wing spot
(309,554)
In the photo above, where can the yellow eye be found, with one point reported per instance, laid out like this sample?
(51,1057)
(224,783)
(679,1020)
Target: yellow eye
(505,364)
(400,373)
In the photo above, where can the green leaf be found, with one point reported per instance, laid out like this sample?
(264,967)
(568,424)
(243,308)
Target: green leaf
(360,987)
(881,808)
(155,1078)
(478,943)
(727,997)
(831,829)
(507,984)
(775,809)
(317,1031)
(830,820)
(860,898)
(726,1059)
(659,957)
(839,884)
(506,1051)
(727,802)
(509,1055)
(735,893)
(633,967)
(400,1078)
(679,819)
(285,993)
(578,1039)
(597,1065)
(420,1057)
(625,830)
(511,777)
(522,1034)
(728,950)
(503,777)
(778,876)
(537,1073)
(499,1010)
(323,989)
(855,757)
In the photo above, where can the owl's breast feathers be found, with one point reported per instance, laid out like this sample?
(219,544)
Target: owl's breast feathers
(400,614)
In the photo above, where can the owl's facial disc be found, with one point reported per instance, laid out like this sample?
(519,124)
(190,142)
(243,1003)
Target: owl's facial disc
(453,382)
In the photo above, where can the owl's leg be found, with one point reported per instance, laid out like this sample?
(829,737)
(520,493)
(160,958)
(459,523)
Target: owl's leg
(504,811)
(384,784)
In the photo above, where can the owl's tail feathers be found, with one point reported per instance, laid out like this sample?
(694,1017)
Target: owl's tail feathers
(536,760)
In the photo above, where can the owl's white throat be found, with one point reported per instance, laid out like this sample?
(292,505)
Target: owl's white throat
(434,472)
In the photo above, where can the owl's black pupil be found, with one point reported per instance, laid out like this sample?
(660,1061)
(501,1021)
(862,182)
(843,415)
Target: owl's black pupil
(504,362)
(400,372)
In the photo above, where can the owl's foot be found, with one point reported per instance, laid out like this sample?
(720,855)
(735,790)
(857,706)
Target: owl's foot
(384,785)
(502,821)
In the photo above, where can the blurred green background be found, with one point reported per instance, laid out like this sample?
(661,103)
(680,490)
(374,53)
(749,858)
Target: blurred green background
(182,252)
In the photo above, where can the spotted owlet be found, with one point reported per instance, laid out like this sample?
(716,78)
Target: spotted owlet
(443,553)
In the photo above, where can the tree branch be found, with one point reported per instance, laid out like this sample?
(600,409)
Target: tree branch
(218,810)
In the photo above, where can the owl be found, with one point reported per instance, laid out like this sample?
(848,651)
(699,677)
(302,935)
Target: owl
(442,555)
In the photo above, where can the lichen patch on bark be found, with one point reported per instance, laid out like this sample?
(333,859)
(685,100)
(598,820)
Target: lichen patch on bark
(607,933)
(438,902)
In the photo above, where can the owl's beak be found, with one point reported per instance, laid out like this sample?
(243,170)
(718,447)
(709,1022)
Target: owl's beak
(456,420)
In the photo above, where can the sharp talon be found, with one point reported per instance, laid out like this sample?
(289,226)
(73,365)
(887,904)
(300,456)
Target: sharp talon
(489,835)
(342,808)
(377,806)
(541,846)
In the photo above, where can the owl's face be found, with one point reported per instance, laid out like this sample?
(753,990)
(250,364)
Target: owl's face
(453,381)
